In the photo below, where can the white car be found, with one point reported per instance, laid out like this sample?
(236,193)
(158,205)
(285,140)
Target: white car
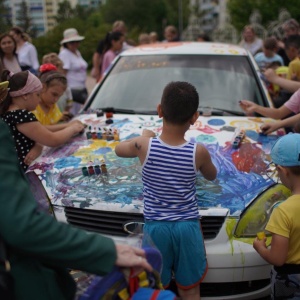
(90,187)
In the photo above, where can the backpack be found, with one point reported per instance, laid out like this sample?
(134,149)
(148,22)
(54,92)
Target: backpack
(129,284)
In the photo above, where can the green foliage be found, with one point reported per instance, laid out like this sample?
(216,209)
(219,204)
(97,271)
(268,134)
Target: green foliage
(139,16)
(5,22)
(240,11)
(25,21)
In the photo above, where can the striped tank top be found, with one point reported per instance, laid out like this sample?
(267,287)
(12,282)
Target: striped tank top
(169,175)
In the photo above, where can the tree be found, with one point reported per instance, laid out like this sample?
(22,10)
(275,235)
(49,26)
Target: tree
(269,10)
(5,20)
(64,12)
(145,16)
(25,21)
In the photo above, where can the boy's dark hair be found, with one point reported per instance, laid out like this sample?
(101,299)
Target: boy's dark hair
(179,102)
(270,43)
(292,41)
(16,82)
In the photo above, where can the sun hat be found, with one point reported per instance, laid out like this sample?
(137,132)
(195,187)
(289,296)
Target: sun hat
(71,35)
(286,150)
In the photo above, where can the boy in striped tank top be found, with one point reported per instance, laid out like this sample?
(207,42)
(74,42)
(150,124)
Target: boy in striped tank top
(170,165)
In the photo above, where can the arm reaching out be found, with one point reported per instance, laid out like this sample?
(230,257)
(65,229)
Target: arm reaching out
(287,84)
(204,163)
(270,112)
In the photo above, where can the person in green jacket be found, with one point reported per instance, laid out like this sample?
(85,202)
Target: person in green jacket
(41,249)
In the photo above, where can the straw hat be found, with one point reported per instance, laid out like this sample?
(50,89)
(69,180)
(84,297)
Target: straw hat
(71,35)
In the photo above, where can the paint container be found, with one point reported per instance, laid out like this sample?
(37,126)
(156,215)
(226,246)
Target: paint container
(85,171)
(261,235)
(99,113)
(103,167)
(91,170)
(104,133)
(99,133)
(109,121)
(88,135)
(109,114)
(94,135)
(116,134)
(97,169)
(110,136)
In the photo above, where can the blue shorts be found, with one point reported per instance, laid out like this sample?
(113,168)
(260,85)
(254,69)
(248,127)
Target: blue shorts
(182,248)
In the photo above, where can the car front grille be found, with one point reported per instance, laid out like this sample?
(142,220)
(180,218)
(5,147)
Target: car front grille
(223,289)
(111,223)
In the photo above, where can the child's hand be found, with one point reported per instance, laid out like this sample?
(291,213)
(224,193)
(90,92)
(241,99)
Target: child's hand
(270,75)
(66,117)
(77,127)
(35,152)
(268,128)
(259,244)
(148,133)
(71,123)
(247,106)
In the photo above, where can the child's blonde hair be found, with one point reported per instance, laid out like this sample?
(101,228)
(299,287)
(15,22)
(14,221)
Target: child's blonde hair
(52,58)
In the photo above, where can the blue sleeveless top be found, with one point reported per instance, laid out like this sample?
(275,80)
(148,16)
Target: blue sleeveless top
(169,176)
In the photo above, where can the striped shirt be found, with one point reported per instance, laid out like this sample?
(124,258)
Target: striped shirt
(169,176)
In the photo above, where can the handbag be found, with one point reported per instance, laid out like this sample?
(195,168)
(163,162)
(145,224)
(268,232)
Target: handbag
(6,279)
(79,95)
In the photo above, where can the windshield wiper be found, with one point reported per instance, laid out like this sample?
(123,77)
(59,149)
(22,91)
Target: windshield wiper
(221,112)
(126,111)
(116,110)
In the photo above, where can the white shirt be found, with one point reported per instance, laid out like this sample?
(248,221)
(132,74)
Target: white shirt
(27,56)
(76,68)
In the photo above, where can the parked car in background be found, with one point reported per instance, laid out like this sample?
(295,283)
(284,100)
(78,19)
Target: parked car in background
(90,187)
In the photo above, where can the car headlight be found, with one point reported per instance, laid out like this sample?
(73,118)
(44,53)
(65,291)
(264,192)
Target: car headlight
(256,216)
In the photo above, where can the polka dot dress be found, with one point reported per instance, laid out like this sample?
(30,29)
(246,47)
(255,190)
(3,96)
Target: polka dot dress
(23,143)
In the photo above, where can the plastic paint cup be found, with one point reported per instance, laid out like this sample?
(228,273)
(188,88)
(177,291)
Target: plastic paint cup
(261,235)
(206,112)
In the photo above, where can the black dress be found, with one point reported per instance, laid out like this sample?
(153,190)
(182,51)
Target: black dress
(22,142)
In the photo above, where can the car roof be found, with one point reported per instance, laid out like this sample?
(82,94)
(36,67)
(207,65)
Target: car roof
(203,48)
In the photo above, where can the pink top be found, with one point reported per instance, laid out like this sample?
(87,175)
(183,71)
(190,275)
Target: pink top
(108,57)
(293,104)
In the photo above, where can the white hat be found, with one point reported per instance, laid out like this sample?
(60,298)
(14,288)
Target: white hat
(71,35)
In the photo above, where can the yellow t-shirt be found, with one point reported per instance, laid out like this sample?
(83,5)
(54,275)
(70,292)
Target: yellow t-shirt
(285,221)
(294,69)
(52,117)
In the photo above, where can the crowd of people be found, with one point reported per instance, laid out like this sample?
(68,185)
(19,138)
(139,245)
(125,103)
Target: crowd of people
(36,111)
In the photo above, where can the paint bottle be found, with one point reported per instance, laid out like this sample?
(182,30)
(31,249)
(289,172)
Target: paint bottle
(99,133)
(91,170)
(85,171)
(104,133)
(109,121)
(103,167)
(97,169)
(88,133)
(116,134)
(110,136)
(94,134)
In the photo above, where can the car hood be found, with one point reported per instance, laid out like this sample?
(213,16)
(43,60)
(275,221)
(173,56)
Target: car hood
(241,171)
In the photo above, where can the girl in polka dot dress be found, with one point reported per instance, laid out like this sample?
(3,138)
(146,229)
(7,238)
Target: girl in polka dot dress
(27,131)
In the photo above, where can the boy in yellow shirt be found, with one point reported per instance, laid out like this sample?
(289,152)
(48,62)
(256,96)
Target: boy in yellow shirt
(284,223)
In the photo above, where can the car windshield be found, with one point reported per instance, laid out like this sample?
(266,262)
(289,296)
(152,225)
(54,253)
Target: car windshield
(136,82)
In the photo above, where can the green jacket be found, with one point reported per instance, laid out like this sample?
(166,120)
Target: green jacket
(40,248)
